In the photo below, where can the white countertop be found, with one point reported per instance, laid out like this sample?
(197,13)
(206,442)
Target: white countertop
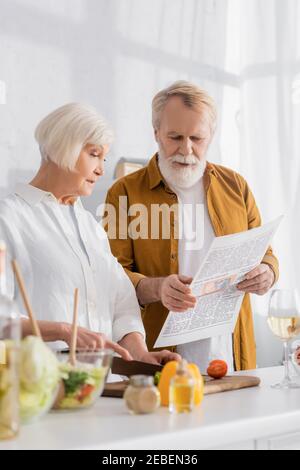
(223,419)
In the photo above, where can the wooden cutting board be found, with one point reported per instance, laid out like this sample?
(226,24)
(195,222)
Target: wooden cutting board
(227,384)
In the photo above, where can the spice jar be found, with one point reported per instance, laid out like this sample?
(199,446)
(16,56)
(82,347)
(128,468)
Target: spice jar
(141,396)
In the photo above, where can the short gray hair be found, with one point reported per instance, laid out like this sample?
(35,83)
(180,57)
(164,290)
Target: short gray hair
(193,97)
(64,133)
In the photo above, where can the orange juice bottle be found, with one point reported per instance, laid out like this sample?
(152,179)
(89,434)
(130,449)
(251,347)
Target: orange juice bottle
(182,390)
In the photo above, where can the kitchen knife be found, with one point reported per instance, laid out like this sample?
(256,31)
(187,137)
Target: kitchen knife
(129,368)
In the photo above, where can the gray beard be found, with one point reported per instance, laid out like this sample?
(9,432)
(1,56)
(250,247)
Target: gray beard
(182,179)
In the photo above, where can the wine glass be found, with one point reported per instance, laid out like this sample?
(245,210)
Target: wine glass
(284,322)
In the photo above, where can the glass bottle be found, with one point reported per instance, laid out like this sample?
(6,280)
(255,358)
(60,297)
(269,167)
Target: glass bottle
(141,396)
(9,358)
(182,390)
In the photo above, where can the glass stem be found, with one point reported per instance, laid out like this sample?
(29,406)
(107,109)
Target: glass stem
(286,361)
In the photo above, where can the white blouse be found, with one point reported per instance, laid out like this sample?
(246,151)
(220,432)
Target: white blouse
(59,250)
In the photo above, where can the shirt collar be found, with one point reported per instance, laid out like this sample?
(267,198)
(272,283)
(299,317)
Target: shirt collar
(34,196)
(155,176)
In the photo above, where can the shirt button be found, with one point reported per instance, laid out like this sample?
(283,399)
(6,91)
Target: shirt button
(173,256)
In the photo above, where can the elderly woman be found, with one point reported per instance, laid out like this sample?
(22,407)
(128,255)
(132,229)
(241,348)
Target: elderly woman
(60,246)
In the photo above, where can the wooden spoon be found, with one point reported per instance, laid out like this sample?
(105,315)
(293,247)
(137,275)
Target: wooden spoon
(25,297)
(72,357)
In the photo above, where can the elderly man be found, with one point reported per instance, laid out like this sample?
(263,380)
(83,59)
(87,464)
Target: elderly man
(162,267)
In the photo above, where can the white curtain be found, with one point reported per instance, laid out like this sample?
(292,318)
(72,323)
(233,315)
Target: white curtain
(264,48)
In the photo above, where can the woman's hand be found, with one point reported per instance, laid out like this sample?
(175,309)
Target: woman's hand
(91,341)
(135,343)
(159,357)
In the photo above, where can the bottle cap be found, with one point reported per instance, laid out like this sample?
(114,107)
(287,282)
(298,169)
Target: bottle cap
(182,366)
(141,380)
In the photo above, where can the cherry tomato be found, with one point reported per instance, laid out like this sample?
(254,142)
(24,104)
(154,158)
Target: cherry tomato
(85,392)
(217,369)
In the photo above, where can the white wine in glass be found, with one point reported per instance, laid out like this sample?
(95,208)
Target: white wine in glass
(284,322)
(285,328)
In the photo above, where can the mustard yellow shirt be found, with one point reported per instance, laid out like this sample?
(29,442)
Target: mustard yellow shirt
(232,209)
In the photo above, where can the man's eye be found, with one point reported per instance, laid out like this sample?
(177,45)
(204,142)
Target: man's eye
(176,137)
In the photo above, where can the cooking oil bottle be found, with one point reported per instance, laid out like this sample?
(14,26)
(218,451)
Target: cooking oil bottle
(182,390)
(9,358)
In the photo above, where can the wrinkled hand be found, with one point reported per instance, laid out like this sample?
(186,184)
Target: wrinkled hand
(91,341)
(259,281)
(176,294)
(160,357)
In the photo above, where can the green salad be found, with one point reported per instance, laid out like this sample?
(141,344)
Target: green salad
(82,385)
(39,378)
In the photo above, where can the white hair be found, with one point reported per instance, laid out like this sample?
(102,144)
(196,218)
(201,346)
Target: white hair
(64,133)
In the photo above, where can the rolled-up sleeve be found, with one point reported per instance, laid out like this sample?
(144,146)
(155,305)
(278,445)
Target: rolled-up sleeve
(127,315)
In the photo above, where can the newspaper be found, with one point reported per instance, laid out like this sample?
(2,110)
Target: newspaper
(228,260)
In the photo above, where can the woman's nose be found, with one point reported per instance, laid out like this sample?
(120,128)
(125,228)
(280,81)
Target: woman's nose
(99,172)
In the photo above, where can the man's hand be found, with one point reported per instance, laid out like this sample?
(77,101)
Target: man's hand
(159,357)
(259,281)
(176,294)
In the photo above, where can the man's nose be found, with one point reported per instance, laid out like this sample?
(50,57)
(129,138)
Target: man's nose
(187,147)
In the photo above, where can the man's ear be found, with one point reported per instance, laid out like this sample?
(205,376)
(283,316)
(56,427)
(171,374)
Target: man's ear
(156,134)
